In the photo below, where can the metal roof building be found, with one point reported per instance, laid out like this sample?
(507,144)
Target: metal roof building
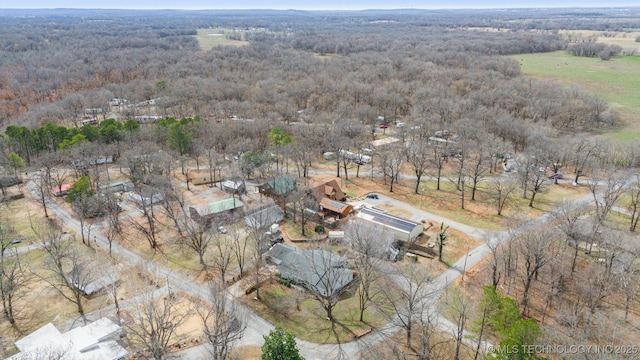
(403,229)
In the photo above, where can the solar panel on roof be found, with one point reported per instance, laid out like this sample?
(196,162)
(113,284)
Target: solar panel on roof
(389,220)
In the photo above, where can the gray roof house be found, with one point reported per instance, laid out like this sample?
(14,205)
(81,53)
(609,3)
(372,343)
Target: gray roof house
(319,271)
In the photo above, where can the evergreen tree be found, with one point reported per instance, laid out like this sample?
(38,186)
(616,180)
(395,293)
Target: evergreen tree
(280,345)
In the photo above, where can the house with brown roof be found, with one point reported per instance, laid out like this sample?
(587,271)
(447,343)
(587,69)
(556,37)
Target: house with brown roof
(330,190)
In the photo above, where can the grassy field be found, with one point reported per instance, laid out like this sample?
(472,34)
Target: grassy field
(616,81)
(210,38)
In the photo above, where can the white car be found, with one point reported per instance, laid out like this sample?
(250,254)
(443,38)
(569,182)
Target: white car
(222,230)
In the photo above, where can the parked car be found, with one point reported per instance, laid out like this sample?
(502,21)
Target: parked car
(373,196)
(383,126)
(555,176)
(16,241)
(277,240)
(222,230)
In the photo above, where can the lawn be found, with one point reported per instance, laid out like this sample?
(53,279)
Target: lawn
(296,312)
(615,80)
(210,38)
(23,215)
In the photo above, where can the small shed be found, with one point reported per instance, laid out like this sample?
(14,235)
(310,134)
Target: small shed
(235,187)
(200,177)
(145,200)
(120,186)
(61,190)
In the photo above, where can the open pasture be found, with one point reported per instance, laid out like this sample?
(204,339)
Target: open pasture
(616,81)
(210,38)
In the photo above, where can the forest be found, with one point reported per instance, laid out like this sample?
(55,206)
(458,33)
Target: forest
(307,93)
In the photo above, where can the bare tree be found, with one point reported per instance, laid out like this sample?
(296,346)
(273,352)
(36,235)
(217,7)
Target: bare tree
(13,276)
(634,203)
(330,277)
(438,160)
(536,247)
(198,237)
(238,247)
(304,198)
(407,295)
(478,167)
(223,320)
(566,217)
(629,282)
(458,306)
(606,192)
(68,271)
(503,188)
(155,323)
(370,244)
(146,226)
(42,191)
(173,206)
(88,207)
(418,156)
(493,243)
(584,149)
(112,223)
(223,256)
(59,177)
(392,163)
(259,244)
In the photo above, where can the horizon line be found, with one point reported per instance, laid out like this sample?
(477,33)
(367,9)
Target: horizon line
(328,9)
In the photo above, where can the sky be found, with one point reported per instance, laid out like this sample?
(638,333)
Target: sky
(308,5)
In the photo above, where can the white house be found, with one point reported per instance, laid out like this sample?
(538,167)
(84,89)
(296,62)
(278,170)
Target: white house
(97,340)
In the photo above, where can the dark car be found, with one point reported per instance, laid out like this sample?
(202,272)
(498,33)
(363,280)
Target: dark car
(555,176)
(373,196)
(277,240)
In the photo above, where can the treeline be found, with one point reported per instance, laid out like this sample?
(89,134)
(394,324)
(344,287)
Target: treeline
(51,138)
(591,49)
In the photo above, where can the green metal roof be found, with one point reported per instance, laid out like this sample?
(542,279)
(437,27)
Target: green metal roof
(224,205)
(283,184)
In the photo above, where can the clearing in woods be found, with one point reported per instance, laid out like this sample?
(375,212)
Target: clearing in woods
(210,38)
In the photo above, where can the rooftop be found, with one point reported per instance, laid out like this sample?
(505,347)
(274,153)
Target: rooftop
(218,206)
(283,184)
(318,270)
(334,205)
(96,340)
(391,221)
